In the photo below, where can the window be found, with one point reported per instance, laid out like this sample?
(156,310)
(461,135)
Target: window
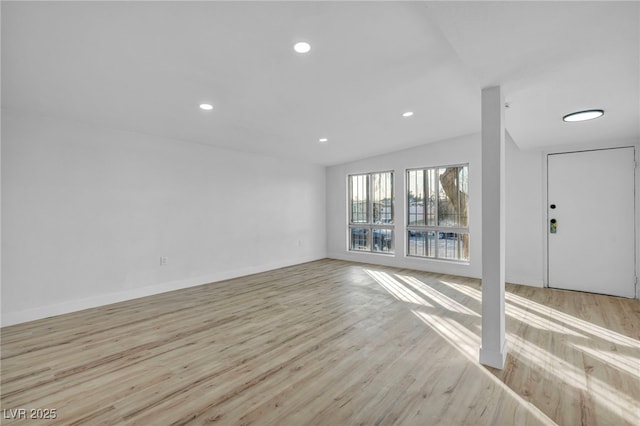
(371,212)
(437,212)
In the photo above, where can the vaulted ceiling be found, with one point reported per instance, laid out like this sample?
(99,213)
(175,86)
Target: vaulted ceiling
(146,66)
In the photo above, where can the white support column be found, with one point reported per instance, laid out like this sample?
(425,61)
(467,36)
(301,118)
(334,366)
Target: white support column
(493,351)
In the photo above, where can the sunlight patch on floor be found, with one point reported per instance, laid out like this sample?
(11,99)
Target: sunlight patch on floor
(517,312)
(396,289)
(458,336)
(467,343)
(625,363)
(466,338)
(571,321)
(613,399)
(443,300)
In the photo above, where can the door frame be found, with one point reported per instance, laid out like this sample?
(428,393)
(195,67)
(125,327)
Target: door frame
(545,200)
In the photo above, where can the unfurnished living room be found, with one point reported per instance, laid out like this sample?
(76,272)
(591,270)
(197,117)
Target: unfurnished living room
(320,213)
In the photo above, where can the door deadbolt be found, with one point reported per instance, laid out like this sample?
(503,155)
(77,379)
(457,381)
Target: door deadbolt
(552,206)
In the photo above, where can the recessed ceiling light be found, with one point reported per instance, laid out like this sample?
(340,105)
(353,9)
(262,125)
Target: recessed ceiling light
(407,114)
(323,140)
(583,115)
(302,47)
(206,107)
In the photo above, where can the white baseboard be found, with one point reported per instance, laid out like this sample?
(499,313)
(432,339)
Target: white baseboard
(435,266)
(11,318)
(427,265)
(492,358)
(525,280)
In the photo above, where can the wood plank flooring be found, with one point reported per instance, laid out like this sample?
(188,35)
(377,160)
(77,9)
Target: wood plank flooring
(332,343)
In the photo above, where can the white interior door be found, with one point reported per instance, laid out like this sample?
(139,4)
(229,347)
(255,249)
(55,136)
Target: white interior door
(591,203)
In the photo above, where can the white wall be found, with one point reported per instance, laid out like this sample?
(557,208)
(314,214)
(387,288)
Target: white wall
(611,143)
(87,213)
(525,216)
(455,151)
(524,209)
(527,205)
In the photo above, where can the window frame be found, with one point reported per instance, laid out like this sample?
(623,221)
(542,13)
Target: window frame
(369,224)
(436,229)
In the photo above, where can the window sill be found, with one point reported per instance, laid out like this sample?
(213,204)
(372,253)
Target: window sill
(434,259)
(372,252)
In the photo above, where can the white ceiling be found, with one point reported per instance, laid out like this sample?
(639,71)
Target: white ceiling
(145,67)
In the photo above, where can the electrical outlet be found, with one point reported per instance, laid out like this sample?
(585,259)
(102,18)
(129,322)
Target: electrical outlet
(164,260)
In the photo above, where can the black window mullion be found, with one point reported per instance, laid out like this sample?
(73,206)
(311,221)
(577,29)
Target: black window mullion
(363,194)
(390,196)
(370,210)
(425,194)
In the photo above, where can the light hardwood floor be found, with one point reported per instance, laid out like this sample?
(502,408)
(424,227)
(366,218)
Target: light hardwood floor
(329,342)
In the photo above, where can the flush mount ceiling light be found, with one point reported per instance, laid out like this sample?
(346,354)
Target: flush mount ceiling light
(589,114)
(407,114)
(206,107)
(302,47)
(323,140)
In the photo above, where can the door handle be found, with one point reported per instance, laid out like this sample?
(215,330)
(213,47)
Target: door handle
(553,226)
